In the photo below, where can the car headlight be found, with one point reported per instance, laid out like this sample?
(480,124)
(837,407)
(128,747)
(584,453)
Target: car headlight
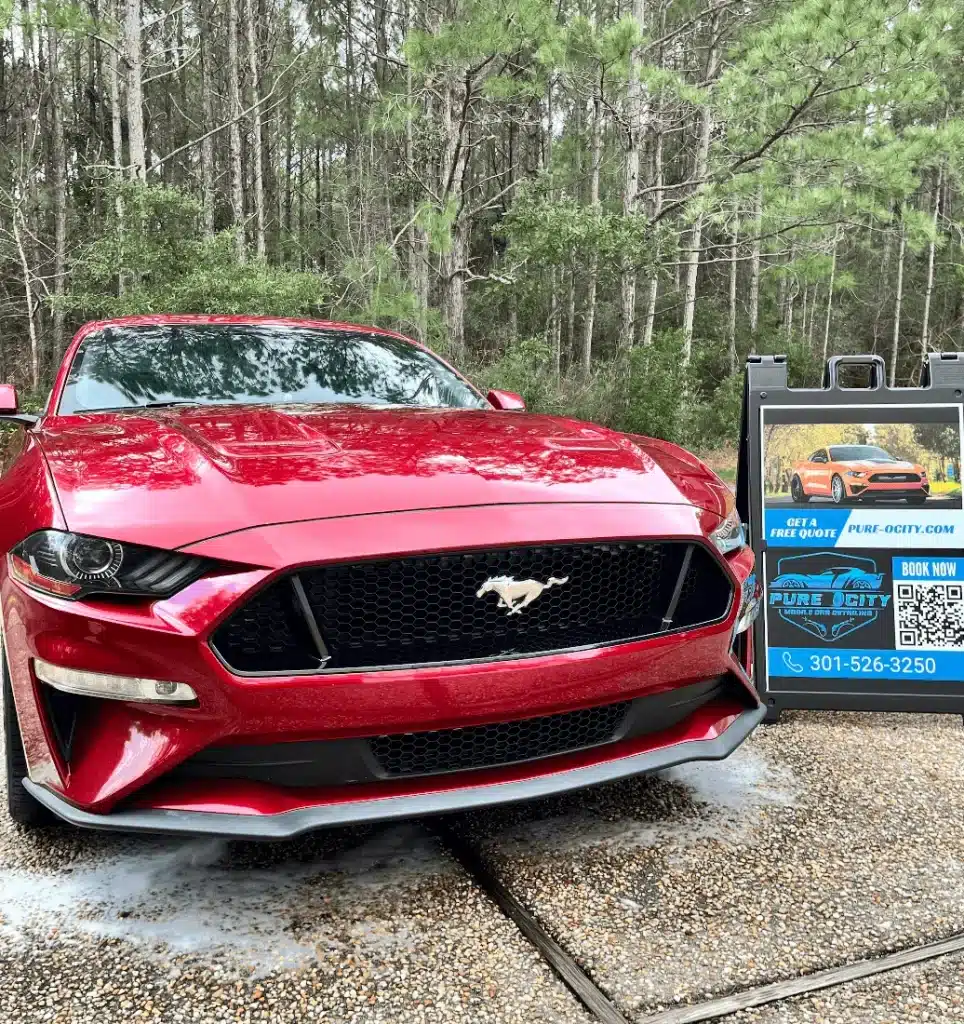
(749,604)
(73,565)
(729,535)
(853,472)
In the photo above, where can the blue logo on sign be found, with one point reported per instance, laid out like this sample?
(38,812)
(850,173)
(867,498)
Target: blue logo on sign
(828,595)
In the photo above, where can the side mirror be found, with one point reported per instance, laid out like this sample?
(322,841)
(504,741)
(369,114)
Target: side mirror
(507,401)
(8,408)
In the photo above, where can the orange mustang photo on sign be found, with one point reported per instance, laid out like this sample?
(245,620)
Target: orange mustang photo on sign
(855,472)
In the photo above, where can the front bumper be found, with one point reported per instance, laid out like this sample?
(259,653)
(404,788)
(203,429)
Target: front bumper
(122,761)
(719,738)
(888,490)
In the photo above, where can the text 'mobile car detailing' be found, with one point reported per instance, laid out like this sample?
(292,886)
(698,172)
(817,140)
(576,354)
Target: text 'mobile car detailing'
(864,528)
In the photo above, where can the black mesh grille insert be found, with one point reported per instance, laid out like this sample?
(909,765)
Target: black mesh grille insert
(268,634)
(453,750)
(436,608)
(705,588)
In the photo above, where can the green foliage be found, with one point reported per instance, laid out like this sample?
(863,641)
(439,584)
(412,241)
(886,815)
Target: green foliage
(655,392)
(373,290)
(167,266)
(549,228)
(834,118)
(650,393)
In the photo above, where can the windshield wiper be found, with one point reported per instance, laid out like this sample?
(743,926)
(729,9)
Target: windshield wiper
(166,405)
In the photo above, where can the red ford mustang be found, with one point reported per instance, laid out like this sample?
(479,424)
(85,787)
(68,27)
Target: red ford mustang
(261,576)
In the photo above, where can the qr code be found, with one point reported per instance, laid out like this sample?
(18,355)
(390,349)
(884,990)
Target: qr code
(929,615)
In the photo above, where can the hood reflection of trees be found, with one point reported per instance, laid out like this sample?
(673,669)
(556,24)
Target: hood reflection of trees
(165,449)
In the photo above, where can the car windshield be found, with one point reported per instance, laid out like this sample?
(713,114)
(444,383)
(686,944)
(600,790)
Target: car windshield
(255,364)
(859,453)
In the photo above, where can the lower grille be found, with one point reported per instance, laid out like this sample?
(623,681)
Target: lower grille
(440,608)
(484,746)
(346,762)
(895,478)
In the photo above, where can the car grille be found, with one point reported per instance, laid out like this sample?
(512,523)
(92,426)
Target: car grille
(895,478)
(454,750)
(426,610)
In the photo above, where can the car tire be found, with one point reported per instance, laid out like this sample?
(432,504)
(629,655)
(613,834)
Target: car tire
(22,807)
(838,490)
(797,493)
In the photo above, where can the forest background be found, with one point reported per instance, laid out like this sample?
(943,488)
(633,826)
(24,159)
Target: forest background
(602,204)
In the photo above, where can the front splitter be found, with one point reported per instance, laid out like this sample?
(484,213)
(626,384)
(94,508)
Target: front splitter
(289,824)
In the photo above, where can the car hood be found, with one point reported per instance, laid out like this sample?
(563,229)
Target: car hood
(872,466)
(176,476)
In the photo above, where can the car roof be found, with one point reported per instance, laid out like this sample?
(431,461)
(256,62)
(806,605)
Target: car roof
(183,319)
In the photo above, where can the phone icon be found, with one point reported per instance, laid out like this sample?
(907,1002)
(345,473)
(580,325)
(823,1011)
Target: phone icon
(790,663)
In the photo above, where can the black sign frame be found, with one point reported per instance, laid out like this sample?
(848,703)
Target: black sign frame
(766,387)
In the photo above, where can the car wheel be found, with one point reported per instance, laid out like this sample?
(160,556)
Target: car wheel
(22,807)
(837,490)
(797,493)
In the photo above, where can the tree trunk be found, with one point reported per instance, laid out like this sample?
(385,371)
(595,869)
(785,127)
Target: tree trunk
(754,310)
(788,309)
(653,285)
(813,316)
(135,90)
(455,288)
(58,184)
(257,158)
(555,324)
(411,229)
(31,309)
(117,146)
(234,132)
(700,164)
(931,252)
(833,274)
(731,324)
(456,118)
(207,123)
(898,299)
(637,111)
(595,157)
(571,312)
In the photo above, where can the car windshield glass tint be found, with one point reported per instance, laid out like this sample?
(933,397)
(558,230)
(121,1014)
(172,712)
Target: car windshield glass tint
(859,453)
(255,364)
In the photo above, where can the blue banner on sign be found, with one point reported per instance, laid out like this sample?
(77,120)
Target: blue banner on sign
(806,662)
(795,529)
(865,527)
(939,569)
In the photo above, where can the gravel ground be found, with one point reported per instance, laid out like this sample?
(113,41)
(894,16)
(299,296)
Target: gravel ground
(932,992)
(364,925)
(826,838)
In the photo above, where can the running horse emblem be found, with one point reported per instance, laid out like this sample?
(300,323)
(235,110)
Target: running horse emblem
(514,595)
